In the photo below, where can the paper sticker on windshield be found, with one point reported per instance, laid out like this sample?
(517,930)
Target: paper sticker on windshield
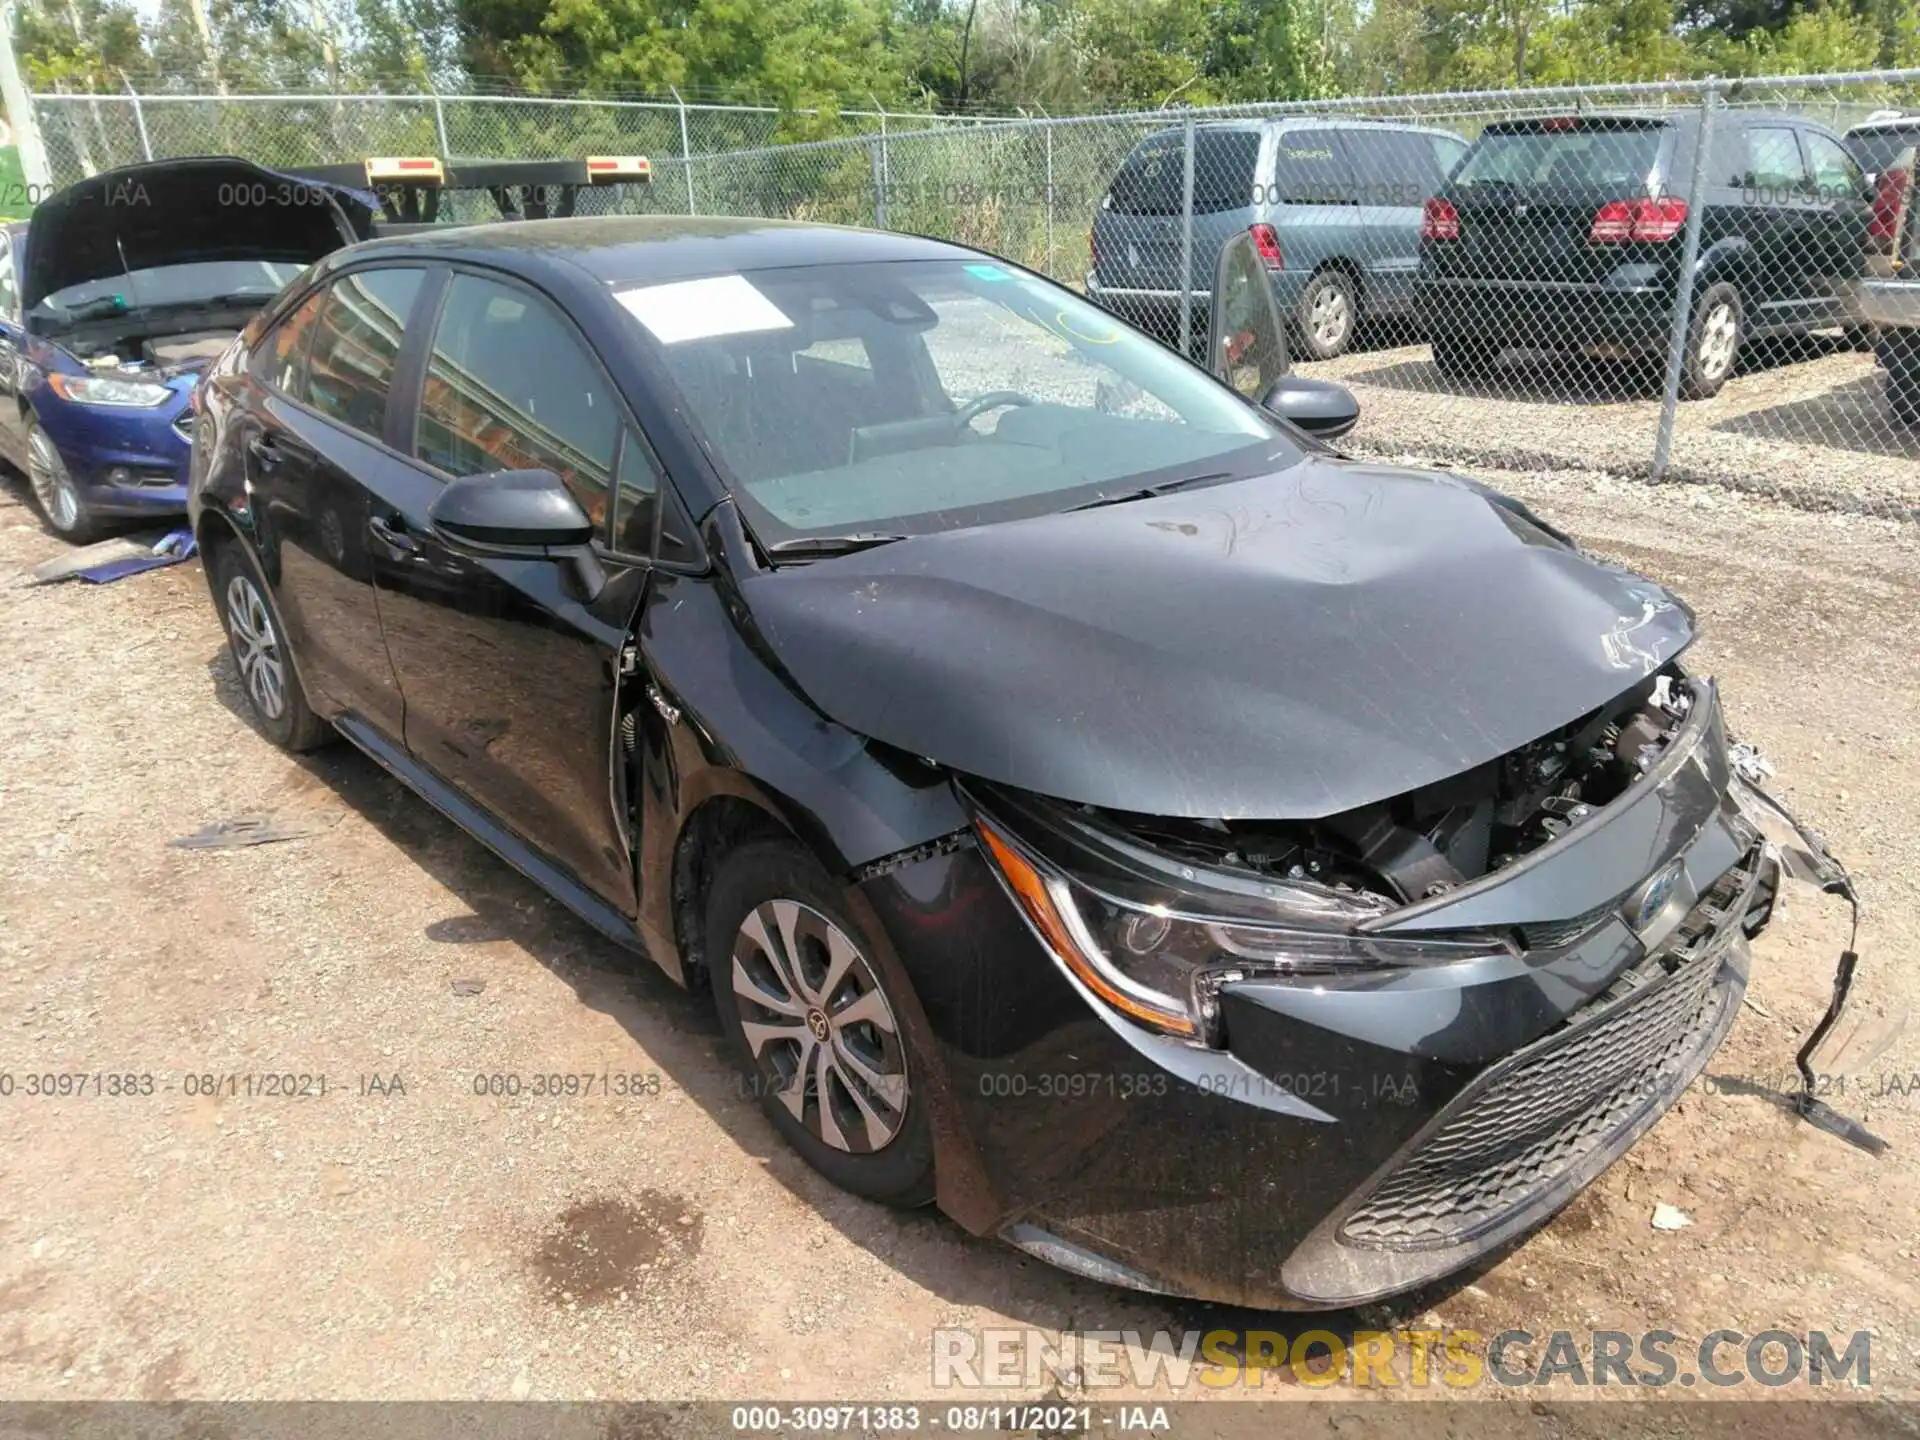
(702,309)
(987,272)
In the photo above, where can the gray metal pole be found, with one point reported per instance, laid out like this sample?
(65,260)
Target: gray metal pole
(1048,122)
(878,150)
(1186,242)
(139,119)
(26,124)
(1683,291)
(686,154)
(440,125)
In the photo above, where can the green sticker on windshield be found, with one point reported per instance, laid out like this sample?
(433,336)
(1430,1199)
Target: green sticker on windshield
(987,272)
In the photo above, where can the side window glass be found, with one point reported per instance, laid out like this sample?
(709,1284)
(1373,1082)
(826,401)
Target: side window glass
(1727,158)
(8,293)
(636,491)
(510,387)
(356,345)
(1774,167)
(1835,176)
(282,361)
(1447,153)
(1310,167)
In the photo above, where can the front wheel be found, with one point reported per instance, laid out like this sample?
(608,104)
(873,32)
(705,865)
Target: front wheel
(1713,342)
(55,491)
(1329,314)
(816,1024)
(1900,354)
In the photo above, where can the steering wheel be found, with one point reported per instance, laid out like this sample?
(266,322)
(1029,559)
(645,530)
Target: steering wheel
(992,400)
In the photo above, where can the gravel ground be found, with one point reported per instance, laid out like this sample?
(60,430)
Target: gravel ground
(438,1243)
(1804,421)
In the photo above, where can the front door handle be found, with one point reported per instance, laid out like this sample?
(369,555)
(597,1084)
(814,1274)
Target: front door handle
(391,531)
(265,452)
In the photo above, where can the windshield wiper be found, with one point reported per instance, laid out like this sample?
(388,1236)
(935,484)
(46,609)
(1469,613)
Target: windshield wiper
(1147,492)
(818,547)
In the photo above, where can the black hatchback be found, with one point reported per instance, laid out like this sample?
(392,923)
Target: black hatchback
(1565,233)
(1209,863)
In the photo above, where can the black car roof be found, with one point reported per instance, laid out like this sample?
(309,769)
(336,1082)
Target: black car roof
(619,248)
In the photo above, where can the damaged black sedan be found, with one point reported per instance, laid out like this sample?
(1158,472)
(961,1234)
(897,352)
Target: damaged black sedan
(1211,864)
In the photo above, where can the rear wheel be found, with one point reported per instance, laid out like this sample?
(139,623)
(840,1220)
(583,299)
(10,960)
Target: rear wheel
(1463,357)
(258,642)
(55,491)
(816,1023)
(1328,315)
(1713,342)
(1900,354)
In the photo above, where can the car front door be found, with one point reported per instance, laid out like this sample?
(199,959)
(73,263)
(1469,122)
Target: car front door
(13,360)
(509,667)
(1842,208)
(314,437)
(1777,205)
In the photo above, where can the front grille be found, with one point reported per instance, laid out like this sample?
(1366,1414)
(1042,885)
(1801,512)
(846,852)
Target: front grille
(1531,1120)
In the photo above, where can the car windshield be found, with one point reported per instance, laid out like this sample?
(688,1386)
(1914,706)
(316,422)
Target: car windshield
(169,285)
(1575,156)
(909,397)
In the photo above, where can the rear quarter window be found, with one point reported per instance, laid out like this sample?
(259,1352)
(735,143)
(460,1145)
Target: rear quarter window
(1312,167)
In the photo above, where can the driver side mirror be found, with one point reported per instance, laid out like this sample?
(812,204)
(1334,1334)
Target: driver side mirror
(1323,409)
(519,514)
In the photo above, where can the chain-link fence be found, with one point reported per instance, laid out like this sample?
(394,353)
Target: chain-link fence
(1690,279)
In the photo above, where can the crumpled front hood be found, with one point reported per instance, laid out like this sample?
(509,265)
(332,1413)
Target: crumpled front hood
(1291,646)
(177,212)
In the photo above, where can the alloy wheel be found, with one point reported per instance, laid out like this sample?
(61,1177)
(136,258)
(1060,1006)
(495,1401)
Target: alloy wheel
(822,1035)
(256,648)
(1329,316)
(1719,336)
(52,486)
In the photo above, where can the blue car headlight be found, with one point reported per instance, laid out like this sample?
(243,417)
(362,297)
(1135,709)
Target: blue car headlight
(108,390)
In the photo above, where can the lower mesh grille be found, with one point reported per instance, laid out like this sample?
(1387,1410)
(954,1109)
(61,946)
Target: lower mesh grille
(1533,1118)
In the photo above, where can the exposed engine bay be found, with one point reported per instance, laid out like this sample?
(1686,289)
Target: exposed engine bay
(1424,843)
(135,343)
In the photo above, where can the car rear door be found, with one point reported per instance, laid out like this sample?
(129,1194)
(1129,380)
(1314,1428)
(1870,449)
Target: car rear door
(1395,171)
(509,671)
(312,432)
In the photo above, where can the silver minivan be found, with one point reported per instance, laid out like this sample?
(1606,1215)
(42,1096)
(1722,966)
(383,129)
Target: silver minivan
(1333,206)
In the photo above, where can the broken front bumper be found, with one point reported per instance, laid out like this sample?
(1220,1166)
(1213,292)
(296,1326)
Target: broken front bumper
(1363,1134)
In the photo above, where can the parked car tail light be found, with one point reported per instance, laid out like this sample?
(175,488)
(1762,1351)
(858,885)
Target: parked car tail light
(1620,221)
(1887,202)
(1268,244)
(1439,220)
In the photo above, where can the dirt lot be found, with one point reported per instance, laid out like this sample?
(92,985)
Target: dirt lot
(438,1243)
(1804,420)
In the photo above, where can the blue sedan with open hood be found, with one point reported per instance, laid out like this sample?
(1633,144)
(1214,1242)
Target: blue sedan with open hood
(115,298)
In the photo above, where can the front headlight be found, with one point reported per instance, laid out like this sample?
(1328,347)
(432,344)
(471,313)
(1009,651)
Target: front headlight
(1162,966)
(106,390)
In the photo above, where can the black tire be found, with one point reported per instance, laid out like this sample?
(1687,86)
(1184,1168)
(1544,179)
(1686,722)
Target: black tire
(1327,317)
(1464,357)
(1860,337)
(752,883)
(1713,352)
(1899,352)
(55,495)
(292,725)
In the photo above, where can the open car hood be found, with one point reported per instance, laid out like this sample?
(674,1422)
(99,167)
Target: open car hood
(176,212)
(1287,647)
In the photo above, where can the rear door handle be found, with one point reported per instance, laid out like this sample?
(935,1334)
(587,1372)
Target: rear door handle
(391,531)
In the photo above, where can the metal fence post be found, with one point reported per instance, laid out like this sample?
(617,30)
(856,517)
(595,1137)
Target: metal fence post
(139,119)
(440,123)
(1048,122)
(686,153)
(1683,291)
(1186,241)
(878,151)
